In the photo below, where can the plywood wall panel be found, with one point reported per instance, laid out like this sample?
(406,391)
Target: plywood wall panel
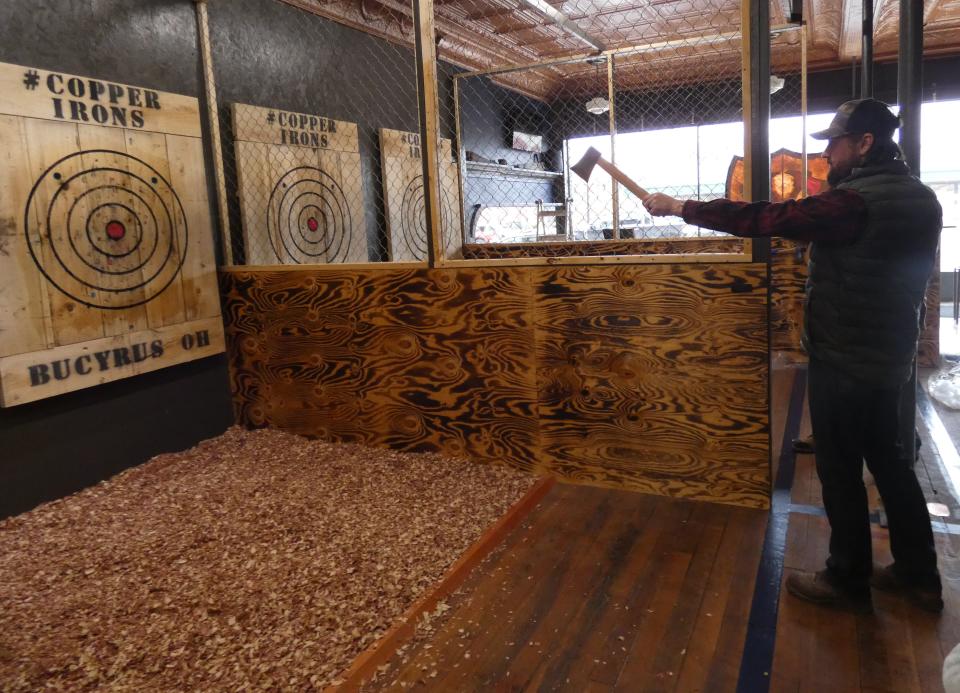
(433,360)
(788,279)
(655,375)
(652,378)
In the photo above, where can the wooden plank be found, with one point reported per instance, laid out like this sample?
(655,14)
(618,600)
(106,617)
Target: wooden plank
(633,595)
(425,48)
(356,250)
(295,186)
(637,672)
(401,163)
(24,308)
(47,143)
(166,206)
(671,648)
(581,598)
(198,275)
(452,229)
(289,128)
(366,664)
(62,97)
(213,121)
(707,245)
(110,201)
(253,186)
(509,650)
(402,177)
(701,649)
(694,258)
(36,375)
(500,599)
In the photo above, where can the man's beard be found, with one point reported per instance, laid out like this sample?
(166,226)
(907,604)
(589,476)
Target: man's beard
(835,175)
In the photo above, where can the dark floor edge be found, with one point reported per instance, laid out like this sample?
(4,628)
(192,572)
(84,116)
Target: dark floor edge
(758,648)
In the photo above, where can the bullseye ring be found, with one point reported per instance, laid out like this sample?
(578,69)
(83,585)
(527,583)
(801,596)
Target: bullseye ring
(116,230)
(111,235)
(414,219)
(308,218)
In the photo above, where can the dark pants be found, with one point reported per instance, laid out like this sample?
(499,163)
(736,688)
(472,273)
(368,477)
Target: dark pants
(855,422)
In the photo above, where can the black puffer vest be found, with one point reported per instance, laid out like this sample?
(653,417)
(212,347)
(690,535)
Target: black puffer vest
(862,312)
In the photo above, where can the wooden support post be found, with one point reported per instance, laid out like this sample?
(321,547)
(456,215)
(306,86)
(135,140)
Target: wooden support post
(615,191)
(429,125)
(461,163)
(755,65)
(203,28)
(803,105)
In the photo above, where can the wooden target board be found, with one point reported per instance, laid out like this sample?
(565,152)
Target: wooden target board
(300,187)
(403,196)
(107,266)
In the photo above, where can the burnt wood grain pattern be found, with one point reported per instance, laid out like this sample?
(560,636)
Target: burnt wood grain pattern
(414,360)
(651,378)
(656,379)
(654,246)
(788,279)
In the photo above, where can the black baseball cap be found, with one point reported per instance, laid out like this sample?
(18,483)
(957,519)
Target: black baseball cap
(860,116)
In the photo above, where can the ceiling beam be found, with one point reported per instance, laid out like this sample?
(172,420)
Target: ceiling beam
(564,22)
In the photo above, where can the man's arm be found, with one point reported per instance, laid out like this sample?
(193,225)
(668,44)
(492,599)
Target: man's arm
(836,215)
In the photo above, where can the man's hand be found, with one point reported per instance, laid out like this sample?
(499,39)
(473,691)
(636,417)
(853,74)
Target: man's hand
(661,205)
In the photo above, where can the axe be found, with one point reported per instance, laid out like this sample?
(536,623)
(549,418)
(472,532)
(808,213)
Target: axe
(584,168)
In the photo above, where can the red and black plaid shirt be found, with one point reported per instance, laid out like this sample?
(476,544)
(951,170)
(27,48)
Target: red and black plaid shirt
(833,216)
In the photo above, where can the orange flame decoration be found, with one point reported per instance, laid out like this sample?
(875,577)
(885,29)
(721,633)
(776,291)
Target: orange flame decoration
(786,176)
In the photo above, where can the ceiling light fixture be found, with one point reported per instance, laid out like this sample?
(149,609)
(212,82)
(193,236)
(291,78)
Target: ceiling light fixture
(598,105)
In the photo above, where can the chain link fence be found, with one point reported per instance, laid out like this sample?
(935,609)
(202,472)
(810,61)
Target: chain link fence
(320,139)
(319,128)
(657,94)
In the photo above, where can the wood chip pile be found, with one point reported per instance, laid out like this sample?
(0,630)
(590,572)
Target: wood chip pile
(256,559)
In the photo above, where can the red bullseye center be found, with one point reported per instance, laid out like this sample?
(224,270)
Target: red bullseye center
(313,224)
(116,230)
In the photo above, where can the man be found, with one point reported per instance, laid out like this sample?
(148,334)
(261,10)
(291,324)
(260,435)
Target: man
(874,240)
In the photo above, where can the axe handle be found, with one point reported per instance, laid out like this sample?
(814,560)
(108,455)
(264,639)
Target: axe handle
(622,178)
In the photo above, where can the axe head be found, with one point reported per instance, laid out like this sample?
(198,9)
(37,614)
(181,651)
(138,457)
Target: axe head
(584,167)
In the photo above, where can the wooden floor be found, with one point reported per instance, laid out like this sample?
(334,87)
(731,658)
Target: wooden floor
(604,590)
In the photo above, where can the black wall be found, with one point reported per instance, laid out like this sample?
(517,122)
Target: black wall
(489,114)
(59,445)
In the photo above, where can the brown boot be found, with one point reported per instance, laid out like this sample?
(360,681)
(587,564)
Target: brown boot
(927,597)
(823,589)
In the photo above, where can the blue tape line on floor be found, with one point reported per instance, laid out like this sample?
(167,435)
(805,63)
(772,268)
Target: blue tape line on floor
(757,660)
